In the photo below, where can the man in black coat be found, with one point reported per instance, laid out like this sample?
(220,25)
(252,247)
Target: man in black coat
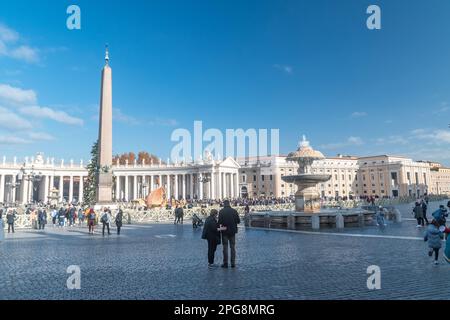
(229,219)
(212,235)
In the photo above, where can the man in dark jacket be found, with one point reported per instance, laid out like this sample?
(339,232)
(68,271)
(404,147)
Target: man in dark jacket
(212,235)
(228,220)
(10,219)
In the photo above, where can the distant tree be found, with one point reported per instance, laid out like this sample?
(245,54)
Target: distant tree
(90,186)
(131,156)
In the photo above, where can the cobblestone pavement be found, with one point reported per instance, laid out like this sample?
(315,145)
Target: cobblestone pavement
(164,261)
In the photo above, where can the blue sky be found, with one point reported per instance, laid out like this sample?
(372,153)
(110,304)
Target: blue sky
(305,67)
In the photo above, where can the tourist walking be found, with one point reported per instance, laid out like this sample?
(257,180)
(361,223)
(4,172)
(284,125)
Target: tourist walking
(106,220)
(447,245)
(440,214)
(434,237)
(418,214)
(118,220)
(10,219)
(91,220)
(424,211)
(42,218)
(61,217)
(34,218)
(178,214)
(212,235)
(228,221)
(381,222)
(54,216)
(80,217)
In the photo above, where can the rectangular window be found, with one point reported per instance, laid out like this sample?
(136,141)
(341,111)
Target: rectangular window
(262,177)
(271,178)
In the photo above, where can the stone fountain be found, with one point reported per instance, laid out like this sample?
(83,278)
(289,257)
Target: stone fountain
(308,213)
(307,197)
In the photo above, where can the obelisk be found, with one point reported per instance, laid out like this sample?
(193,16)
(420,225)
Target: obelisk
(105,183)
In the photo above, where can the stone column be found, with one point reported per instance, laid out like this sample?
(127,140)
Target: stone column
(127,195)
(117,188)
(160,184)
(80,189)
(236,181)
(152,183)
(219,176)
(184,186)
(52,182)
(231,186)
(212,188)
(191,186)
(71,189)
(61,188)
(46,187)
(13,190)
(24,185)
(135,194)
(169,195)
(177,195)
(200,188)
(2,188)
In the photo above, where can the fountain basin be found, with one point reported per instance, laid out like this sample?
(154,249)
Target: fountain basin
(307,178)
(325,219)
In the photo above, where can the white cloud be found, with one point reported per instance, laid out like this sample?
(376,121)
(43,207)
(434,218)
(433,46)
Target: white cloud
(9,48)
(350,141)
(119,116)
(8,140)
(285,68)
(7,34)
(395,139)
(47,113)
(358,114)
(432,136)
(163,122)
(40,136)
(12,121)
(25,53)
(16,95)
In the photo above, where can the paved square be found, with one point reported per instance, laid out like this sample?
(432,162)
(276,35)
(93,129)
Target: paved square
(164,261)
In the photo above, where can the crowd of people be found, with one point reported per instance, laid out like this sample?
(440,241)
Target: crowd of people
(220,226)
(65,217)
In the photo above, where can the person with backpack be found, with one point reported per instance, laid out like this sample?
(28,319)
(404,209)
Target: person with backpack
(118,220)
(212,235)
(440,214)
(106,220)
(91,220)
(434,236)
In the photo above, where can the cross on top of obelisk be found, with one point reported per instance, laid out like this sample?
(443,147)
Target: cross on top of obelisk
(107,53)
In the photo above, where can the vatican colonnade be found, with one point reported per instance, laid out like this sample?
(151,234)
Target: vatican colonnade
(37,180)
